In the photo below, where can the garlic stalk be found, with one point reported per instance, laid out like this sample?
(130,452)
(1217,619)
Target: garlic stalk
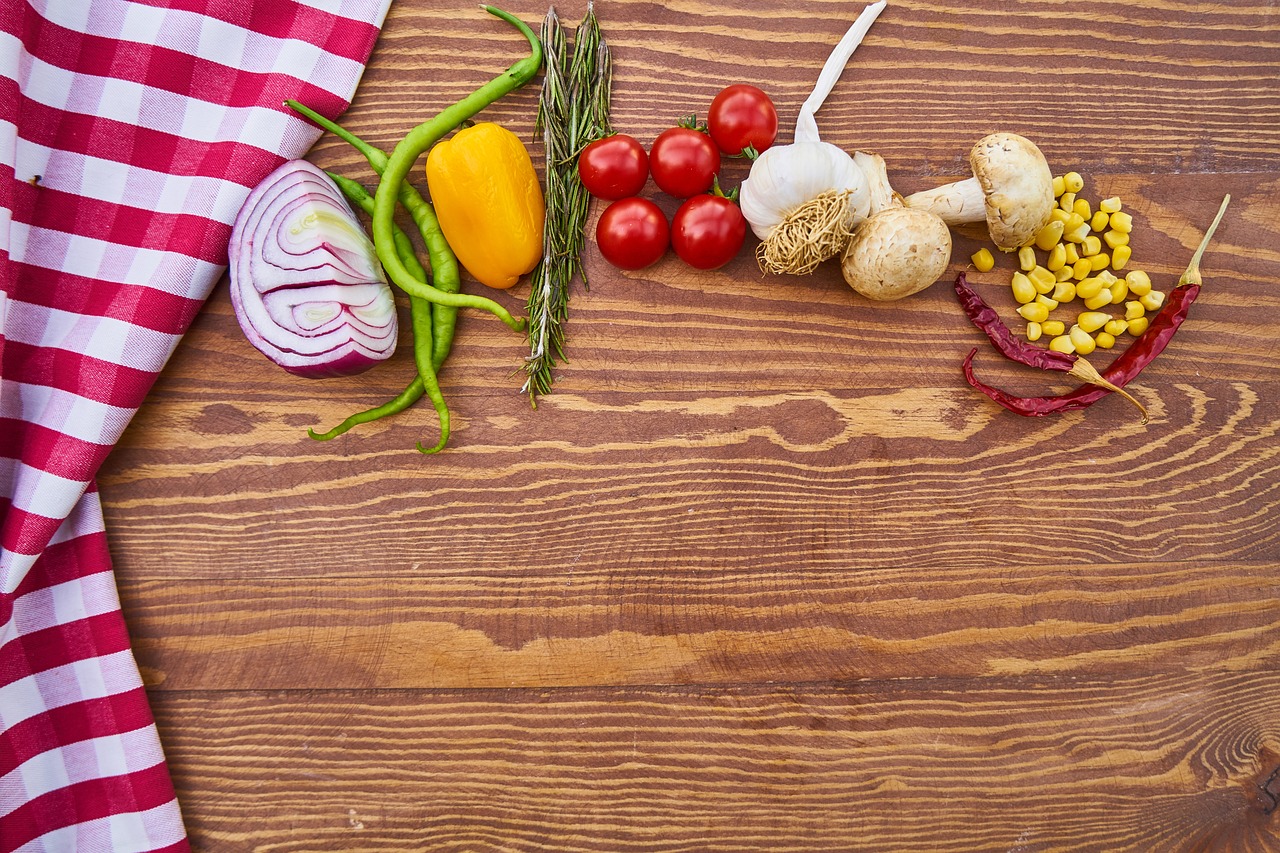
(806,124)
(804,199)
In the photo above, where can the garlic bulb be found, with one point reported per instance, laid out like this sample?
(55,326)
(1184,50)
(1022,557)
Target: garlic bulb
(783,178)
(802,200)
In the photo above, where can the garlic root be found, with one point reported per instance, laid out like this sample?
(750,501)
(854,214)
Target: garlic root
(815,231)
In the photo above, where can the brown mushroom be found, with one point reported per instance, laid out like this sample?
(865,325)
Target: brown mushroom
(896,251)
(1011,189)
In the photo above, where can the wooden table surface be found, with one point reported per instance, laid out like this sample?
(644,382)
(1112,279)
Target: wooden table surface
(763,573)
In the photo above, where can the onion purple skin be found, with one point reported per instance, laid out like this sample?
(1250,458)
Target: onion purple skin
(306,285)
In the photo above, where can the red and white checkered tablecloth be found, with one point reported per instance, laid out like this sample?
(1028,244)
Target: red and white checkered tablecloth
(130,134)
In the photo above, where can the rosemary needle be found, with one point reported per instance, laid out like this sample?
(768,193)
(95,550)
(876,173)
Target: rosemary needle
(573,111)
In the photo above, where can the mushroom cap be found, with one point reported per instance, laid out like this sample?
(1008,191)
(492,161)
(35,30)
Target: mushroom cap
(897,252)
(1017,184)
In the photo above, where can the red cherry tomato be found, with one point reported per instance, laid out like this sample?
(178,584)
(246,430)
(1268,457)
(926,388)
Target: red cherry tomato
(707,231)
(614,167)
(684,161)
(742,116)
(632,233)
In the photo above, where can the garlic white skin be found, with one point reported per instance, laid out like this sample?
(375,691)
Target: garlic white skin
(786,176)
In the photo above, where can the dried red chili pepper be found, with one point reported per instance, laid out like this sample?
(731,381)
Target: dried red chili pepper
(1128,364)
(988,320)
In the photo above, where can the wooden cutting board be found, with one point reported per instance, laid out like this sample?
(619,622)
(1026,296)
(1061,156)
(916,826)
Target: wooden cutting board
(763,572)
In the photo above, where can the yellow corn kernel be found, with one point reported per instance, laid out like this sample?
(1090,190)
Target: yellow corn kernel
(1109,205)
(1082,207)
(1096,302)
(1053,328)
(1115,239)
(1120,257)
(1023,290)
(1139,282)
(1108,277)
(1059,214)
(1092,321)
(1134,309)
(1067,201)
(1105,340)
(1027,257)
(1122,222)
(1073,233)
(1116,327)
(1152,301)
(1057,258)
(1072,252)
(1119,291)
(1033,312)
(1089,287)
(1081,268)
(1042,279)
(1100,220)
(1100,261)
(1090,246)
(1050,234)
(1034,330)
(1138,325)
(1072,182)
(1062,343)
(1047,301)
(1083,341)
(1064,274)
(983,260)
(1059,185)
(1063,291)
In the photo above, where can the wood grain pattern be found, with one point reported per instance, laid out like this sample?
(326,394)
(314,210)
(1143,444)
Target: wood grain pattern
(669,625)
(763,573)
(1138,764)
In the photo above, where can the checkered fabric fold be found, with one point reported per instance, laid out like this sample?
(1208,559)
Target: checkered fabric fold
(130,134)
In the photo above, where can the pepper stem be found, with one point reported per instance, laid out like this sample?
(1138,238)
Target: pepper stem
(1086,372)
(1192,273)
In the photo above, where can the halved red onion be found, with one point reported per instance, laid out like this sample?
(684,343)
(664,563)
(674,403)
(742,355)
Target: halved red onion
(306,285)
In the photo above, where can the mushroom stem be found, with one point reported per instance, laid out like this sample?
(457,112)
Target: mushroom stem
(881,193)
(955,204)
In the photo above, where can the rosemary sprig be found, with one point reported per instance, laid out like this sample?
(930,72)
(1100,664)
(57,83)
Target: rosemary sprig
(573,111)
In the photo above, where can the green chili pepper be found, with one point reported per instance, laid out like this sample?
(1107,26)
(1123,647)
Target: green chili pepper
(444,264)
(433,309)
(426,371)
(422,315)
(424,383)
(442,318)
(427,134)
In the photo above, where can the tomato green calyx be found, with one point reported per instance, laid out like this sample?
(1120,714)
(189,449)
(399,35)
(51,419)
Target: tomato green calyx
(718,190)
(691,121)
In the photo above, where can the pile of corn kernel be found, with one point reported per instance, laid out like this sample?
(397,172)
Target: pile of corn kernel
(1078,255)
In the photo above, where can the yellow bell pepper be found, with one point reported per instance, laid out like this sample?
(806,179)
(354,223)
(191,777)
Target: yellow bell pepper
(489,203)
